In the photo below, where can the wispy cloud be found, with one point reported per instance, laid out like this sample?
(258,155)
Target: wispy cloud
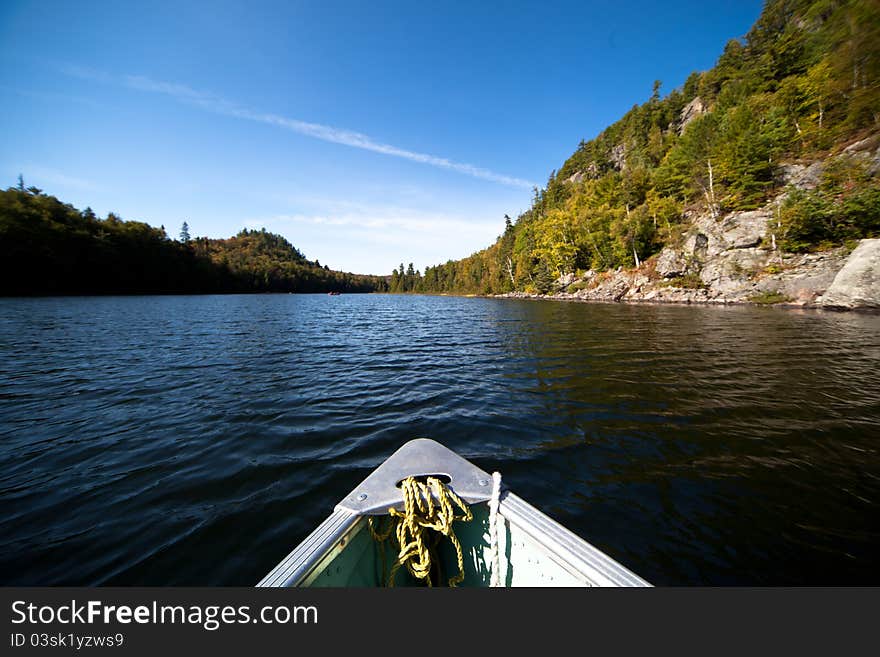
(371,237)
(218,105)
(368,216)
(85,73)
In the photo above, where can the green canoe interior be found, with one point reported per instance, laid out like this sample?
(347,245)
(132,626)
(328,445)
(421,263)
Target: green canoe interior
(355,560)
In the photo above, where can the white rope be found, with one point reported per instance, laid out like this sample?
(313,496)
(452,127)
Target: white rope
(495,556)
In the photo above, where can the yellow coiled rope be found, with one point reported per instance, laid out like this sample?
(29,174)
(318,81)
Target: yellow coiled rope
(429,509)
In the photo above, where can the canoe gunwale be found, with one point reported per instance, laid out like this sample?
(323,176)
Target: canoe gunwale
(320,546)
(570,551)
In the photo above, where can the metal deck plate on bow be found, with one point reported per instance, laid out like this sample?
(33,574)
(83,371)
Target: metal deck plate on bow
(417,458)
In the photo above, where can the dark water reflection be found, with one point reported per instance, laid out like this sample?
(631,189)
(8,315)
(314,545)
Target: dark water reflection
(195,440)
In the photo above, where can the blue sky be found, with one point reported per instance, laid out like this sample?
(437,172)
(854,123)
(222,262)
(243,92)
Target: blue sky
(368,134)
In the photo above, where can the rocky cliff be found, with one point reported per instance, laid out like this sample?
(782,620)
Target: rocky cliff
(734,258)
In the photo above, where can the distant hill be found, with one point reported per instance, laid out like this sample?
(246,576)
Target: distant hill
(802,85)
(50,247)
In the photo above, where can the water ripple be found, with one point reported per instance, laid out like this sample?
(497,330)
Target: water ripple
(196,440)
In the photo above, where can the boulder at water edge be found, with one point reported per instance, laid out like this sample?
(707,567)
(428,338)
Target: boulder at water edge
(857,284)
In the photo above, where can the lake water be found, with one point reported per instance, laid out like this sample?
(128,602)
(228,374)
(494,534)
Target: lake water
(196,440)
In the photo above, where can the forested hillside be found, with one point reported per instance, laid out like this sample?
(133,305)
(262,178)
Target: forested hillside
(49,247)
(804,82)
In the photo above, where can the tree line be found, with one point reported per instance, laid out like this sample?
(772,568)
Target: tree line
(50,247)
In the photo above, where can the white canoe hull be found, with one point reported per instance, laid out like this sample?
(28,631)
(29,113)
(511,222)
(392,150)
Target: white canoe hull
(534,550)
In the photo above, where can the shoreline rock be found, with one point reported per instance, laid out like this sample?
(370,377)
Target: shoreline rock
(832,280)
(857,283)
(734,259)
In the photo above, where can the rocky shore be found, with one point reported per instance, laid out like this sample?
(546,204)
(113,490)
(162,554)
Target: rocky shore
(733,258)
(835,279)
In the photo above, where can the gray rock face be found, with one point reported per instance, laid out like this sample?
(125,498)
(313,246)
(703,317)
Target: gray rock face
(737,230)
(696,245)
(800,176)
(732,272)
(636,286)
(734,258)
(744,230)
(564,281)
(725,253)
(590,173)
(802,278)
(867,150)
(611,289)
(618,156)
(867,144)
(857,284)
(691,111)
(671,263)
(737,274)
